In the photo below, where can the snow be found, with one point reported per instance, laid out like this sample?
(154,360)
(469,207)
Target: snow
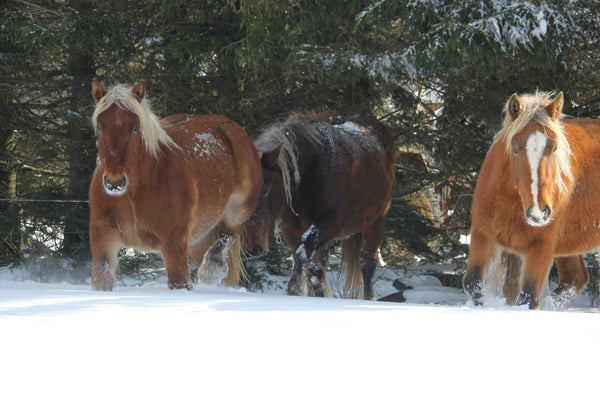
(207,144)
(507,24)
(64,338)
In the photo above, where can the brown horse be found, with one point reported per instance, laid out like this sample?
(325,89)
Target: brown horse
(325,179)
(537,196)
(182,186)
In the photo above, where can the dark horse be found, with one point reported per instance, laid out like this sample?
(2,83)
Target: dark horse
(325,179)
(183,186)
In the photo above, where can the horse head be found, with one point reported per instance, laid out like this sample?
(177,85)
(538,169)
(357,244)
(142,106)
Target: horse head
(539,155)
(124,121)
(118,130)
(272,200)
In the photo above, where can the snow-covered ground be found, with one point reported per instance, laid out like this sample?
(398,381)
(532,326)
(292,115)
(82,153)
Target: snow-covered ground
(60,338)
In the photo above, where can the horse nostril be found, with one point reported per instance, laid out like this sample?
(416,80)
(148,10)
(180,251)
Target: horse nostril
(547,211)
(115,188)
(528,212)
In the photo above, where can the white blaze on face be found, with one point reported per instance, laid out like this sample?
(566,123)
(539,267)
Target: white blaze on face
(536,144)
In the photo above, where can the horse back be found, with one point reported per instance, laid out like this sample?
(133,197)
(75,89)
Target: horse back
(371,124)
(224,160)
(349,177)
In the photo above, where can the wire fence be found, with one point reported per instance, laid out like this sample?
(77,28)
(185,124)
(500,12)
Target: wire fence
(19,200)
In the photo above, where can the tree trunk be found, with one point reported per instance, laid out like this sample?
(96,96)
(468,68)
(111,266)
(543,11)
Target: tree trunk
(10,223)
(81,147)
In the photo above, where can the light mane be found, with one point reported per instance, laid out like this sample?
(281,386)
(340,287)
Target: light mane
(285,134)
(533,109)
(153,134)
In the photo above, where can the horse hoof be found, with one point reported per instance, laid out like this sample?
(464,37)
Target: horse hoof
(296,288)
(183,285)
(525,298)
(317,287)
(104,286)
(211,273)
(561,298)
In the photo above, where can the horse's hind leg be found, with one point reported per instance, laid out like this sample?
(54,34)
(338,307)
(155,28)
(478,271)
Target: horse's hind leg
(572,278)
(214,266)
(371,241)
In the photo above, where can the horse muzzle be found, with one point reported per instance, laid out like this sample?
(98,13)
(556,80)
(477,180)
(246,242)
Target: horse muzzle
(115,187)
(537,217)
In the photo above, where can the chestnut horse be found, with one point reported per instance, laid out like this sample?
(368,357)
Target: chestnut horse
(537,196)
(325,179)
(183,186)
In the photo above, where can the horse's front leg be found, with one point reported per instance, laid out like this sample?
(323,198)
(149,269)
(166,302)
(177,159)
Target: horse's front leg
(481,252)
(572,278)
(535,275)
(175,255)
(214,266)
(105,244)
(306,265)
(315,273)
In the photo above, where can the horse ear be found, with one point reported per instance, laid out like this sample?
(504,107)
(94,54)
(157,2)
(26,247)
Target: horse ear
(269,159)
(514,106)
(139,90)
(554,109)
(98,90)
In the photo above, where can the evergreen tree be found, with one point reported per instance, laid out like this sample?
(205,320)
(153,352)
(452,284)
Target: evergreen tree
(437,72)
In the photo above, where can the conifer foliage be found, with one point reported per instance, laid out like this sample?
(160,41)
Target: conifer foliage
(437,72)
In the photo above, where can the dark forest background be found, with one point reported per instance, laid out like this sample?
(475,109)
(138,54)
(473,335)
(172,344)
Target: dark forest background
(437,72)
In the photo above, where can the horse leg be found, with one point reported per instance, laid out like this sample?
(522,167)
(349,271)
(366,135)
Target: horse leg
(199,247)
(304,258)
(214,266)
(175,255)
(481,253)
(512,283)
(372,237)
(315,272)
(105,244)
(535,275)
(572,278)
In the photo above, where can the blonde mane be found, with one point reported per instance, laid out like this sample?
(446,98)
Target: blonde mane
(285,134)
(533,109)
(153,134)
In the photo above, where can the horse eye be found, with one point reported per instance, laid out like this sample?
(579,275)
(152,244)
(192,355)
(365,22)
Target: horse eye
(515,150)
(98,129)
(136,128)
(555,148)
(266,190)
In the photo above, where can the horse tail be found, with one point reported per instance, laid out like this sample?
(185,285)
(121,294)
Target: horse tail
(236,267)
(351,264)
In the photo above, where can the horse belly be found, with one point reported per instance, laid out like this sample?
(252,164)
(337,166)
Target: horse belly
(583,239)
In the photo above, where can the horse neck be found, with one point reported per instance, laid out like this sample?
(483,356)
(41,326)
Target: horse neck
(307,151)
(143,168)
